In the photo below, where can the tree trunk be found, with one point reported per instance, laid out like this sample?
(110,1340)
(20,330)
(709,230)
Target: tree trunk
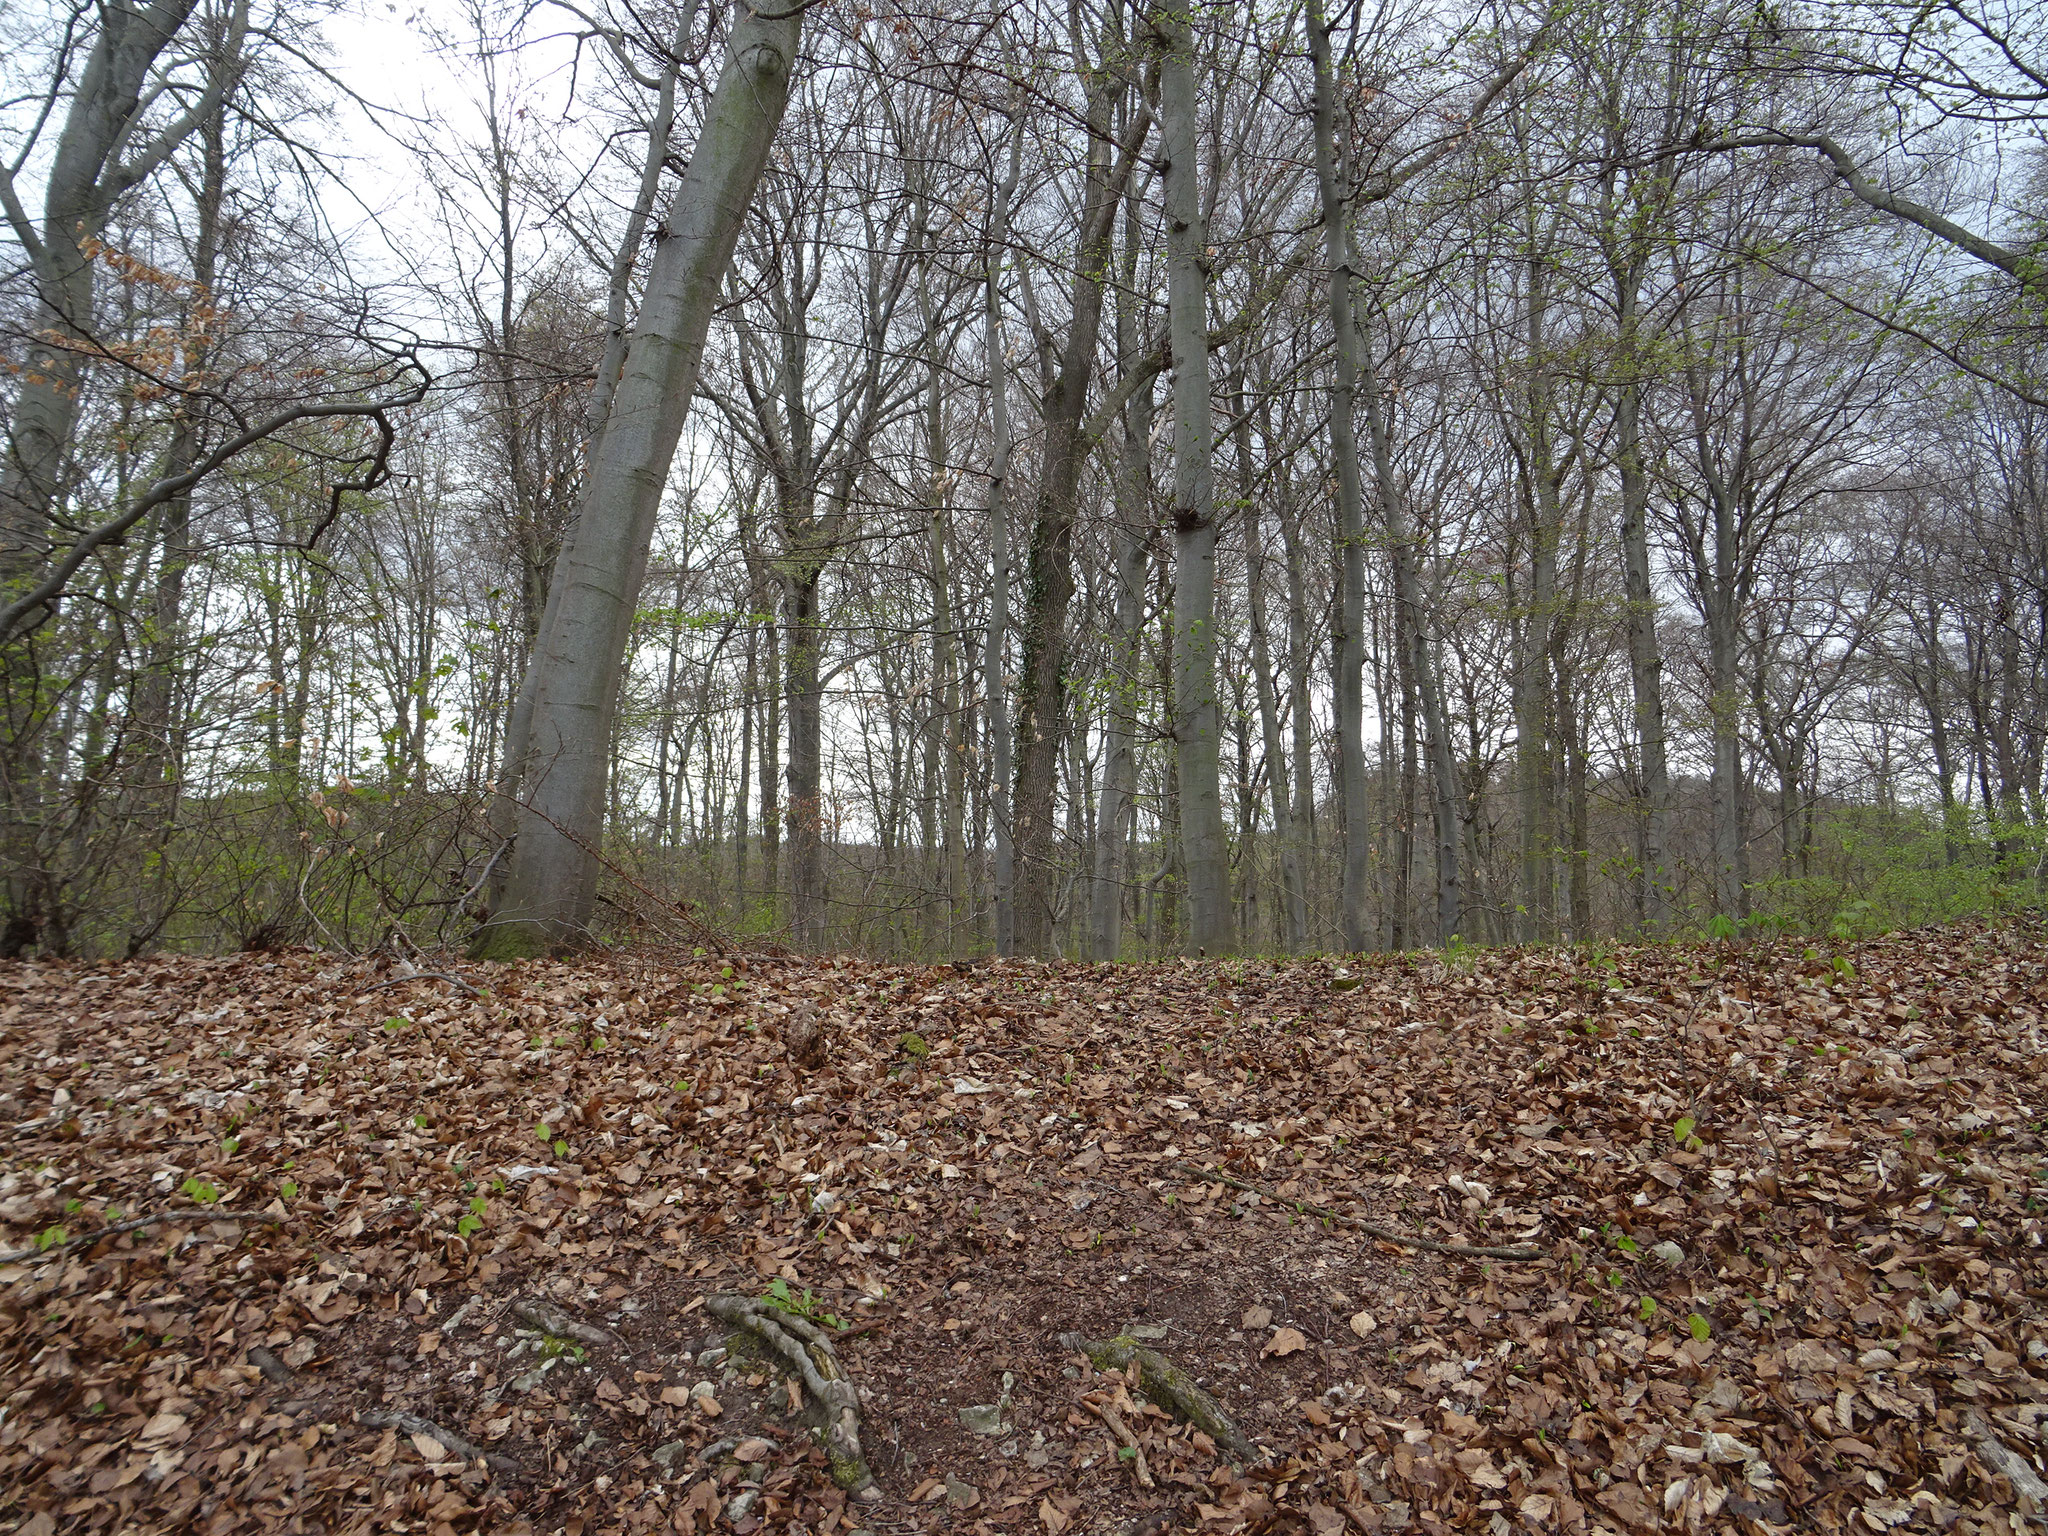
(576,666)
(1049,563)
(1293,902)
(1002,825)
(1131,543)
(1197,722)
(1349,636)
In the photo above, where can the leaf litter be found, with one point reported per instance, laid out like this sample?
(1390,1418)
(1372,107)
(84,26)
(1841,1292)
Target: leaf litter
(1788,1209)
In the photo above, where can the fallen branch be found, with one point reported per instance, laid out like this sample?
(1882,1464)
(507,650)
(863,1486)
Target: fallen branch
(2003,1459)
(551,1319)
(806,1349)
(86,1240)
(413,1424)
(1117,1427)
(1167,1385)
(399,981)
(1371,1229)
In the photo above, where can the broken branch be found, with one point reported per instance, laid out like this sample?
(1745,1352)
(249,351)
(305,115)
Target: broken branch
(1371,1229)
(86,1240)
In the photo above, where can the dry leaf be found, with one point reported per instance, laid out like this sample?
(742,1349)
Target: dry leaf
(1285,1341)
(1363,1323)
(1256,1318)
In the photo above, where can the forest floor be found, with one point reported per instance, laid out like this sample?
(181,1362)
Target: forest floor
(1786,1206)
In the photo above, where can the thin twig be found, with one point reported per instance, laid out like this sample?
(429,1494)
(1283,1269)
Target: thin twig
(32,1255)
(1385,1234)
(399,981)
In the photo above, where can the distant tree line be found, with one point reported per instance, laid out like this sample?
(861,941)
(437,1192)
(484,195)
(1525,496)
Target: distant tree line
(1091,479)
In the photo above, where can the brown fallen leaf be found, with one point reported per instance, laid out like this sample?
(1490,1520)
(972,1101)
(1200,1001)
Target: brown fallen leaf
(1285,1341)
(1363,1323)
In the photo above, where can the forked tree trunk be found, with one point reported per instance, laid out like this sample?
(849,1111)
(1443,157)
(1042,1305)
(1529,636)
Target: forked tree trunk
(576,666)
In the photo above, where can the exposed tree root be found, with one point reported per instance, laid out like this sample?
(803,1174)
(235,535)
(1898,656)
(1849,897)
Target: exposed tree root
(551,1319)
(1167,1385)
(806,1349)
(413,1424)
(1371,1229)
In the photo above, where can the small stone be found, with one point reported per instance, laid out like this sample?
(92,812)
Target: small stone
(664,1456)
(961,1495)
(742,1504)
(983,1419)
(1668,1252)
(712,1356)
(1148,1331)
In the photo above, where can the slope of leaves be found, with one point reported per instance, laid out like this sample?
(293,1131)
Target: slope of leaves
(1790,1206)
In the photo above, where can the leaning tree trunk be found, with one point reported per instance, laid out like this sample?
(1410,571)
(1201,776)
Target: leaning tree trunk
(577,663)
(1198,721)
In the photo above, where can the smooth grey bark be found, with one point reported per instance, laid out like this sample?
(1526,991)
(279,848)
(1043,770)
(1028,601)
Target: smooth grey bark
(100,156)
(1130,551)
(1349,637)
(1293,898)
(576,665)
(156,711)
(1413,636)
(1624,244)
(1197,719)
(536,555)
(1049,557)
(947,740)
(1003,854)
(1301,832)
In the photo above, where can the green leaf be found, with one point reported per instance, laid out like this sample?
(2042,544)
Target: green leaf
(544,1131)
(561,1149)
(49,1238)
(230,1146)
(289,1189)
(1699,1327)
(467,1225)
(1682,1131)
(1648,1307)
(420,1121)
(479,1205)
(200,1190)
(1626,1244)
